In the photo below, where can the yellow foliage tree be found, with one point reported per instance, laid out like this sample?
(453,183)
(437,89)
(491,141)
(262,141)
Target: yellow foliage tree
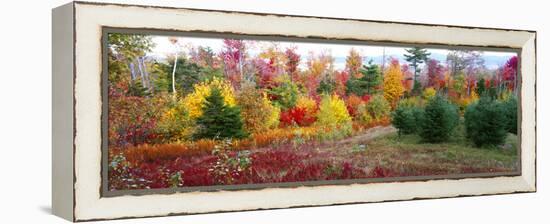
(256,110)
(393,86)
(174,123)
(306,103)
(428,93)
(274,112)
(194,101)
(332,112)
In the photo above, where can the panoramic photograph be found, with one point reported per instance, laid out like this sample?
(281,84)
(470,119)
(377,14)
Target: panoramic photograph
(196,111)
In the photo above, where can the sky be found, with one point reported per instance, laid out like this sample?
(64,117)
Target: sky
(339,51)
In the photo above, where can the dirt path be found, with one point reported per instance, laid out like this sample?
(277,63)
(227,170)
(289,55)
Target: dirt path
(341,145)
(370,134)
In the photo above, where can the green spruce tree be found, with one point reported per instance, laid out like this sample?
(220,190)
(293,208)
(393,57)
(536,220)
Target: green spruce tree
(368,83)
(492,90)
(326,86)
(486,122)
(438,120)
(480,90)
(511,112)
(218,120)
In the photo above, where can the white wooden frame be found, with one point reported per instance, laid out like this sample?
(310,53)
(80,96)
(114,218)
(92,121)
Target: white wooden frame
(77,64)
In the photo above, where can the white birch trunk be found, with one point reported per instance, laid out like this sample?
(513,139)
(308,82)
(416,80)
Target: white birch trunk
(174,74)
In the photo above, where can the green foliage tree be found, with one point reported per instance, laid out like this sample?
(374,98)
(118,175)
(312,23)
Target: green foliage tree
(368,83)
(511,113)
(417,87)
(379,107)
(492,90)
(136,88)
(480,90)
(187,74)
(439,120)
(485,122)
(458,85)
(285,94)
(416,56)
(219,120)
(129,45)
(123,48)
(406,119)
(326,86)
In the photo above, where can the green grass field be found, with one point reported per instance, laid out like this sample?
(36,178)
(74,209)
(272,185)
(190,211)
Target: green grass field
(407,154)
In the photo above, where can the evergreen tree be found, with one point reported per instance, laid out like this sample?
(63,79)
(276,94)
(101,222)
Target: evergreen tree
(326,86)
(187,74)
(415,57)
(492,90)
(486,122)
(406,119)
(219,120)
(480,90)
(417,87)
(368,83)
(439,120)
(511,114)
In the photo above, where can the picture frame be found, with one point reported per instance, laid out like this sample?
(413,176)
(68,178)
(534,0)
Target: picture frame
(79,147)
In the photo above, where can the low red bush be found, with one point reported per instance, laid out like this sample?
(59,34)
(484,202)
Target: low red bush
(296,116)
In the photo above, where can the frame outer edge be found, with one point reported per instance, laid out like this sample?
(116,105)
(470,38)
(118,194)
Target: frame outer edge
(528,68)
(62,111)
(528,182)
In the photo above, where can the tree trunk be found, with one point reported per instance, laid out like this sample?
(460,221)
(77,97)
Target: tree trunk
(174,74)
(147,78)
(142,75)
(132,71)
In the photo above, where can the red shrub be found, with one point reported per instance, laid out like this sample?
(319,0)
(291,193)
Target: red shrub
(366,98)
(378,172)
(296,115)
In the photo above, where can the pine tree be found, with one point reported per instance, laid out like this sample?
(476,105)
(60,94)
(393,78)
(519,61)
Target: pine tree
(219,120)
(368,83)
(480,90)
(326,86)
(406,119)
(438,121)
(417,87)
(486,122)
(186,74)
(510,106)
(492,90)
(415,57)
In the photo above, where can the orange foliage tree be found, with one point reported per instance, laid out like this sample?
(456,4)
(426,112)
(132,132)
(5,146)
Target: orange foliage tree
(353,63)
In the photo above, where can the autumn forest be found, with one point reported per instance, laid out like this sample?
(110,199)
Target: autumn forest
(190,111)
